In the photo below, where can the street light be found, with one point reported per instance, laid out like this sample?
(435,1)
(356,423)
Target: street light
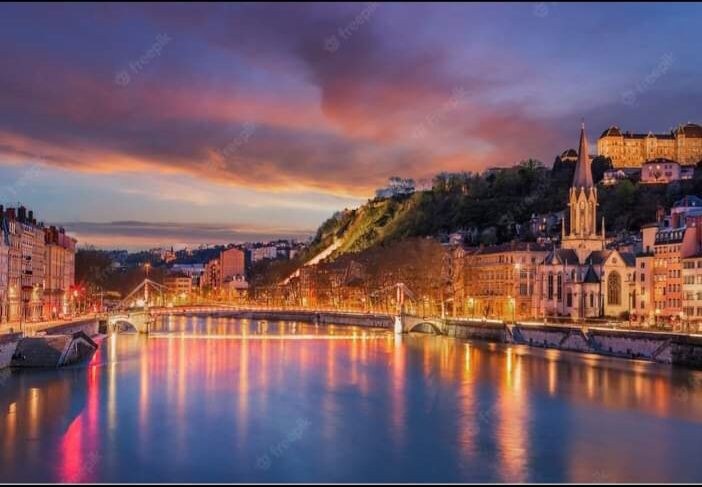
(658,313)
(512,304)
(682,321)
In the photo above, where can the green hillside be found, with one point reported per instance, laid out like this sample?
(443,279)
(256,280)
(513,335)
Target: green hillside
(491,206)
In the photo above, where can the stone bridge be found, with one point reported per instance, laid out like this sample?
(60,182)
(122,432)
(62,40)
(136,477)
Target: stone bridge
(408,323)
(133,321)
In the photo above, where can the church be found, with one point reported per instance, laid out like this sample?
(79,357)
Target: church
(583,279)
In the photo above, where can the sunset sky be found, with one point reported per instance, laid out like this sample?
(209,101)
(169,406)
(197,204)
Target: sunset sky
(143,125)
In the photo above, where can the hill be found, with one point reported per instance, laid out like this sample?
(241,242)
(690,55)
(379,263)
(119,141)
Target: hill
(492,207)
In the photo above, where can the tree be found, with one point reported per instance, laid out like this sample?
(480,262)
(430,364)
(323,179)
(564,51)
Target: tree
(600,165)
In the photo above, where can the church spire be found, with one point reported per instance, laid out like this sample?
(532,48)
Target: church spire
(583,169)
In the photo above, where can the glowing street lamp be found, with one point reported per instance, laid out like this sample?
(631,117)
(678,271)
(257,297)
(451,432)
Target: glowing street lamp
(513,305)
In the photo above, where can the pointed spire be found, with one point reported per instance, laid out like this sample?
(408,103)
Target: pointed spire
(583,169)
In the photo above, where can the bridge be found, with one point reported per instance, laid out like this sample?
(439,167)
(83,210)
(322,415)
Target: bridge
(129,321)
(407,323)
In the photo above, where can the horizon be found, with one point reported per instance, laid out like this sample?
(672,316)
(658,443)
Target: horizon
(226,122)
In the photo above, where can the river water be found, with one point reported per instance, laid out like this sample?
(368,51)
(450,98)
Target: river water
(208,399)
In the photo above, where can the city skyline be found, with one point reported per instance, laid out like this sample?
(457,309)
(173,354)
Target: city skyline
(145,125)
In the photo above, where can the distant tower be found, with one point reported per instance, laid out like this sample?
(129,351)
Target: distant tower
(582,201)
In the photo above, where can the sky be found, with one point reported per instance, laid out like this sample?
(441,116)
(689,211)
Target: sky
(140,125)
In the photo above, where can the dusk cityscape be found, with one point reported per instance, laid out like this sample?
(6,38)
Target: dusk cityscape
(350,243)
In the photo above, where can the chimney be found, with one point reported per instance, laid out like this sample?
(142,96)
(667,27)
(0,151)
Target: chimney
(660,214)
(31,216)
(11,213)
(22,214)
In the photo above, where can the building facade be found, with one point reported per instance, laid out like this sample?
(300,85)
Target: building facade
(232,264)
(500,280)
(664,171)
(578,279)
(625,149)
(37,268)
(4,267)
(179,285)
(582,279)
(59,265)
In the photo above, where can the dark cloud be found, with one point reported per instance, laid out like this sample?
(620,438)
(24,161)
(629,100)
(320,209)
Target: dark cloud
(336,119)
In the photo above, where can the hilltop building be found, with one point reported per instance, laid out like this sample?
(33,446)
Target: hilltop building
(682,145)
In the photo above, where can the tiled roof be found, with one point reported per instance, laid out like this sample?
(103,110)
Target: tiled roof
(598,257)
(591,276)
(509,247)
(629,258)
(687,201)
(562,256)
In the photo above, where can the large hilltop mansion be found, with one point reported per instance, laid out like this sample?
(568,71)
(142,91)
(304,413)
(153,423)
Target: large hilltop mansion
(629,150)
(582,278)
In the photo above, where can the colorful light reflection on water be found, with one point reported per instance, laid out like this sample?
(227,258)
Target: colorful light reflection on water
(207,399)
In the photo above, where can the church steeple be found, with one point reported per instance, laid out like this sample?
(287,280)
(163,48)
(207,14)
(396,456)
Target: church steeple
(583,168)
(582,202)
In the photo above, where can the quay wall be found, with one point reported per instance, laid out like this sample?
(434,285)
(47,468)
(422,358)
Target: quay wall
(668,348)
(9,342)
(475,330)
(322,317)
(88,326)
(8,345)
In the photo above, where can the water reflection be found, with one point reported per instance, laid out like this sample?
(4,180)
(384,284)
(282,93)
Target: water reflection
(207,399)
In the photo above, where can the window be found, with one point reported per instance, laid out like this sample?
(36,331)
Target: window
(523,290)
(559,287)
(550,286)
(614,288)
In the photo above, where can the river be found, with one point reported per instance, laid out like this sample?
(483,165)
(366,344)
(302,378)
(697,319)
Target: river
(227,400)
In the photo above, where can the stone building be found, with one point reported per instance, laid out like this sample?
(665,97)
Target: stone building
(669,268)
(582,279)
(664,171)
(59,271)
(626,149)
(211,275)
(4,267)
(644,295)
(500,280)
(179,285)
(37,267)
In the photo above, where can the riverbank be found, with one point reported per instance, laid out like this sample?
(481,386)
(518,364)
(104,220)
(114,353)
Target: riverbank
(54,343)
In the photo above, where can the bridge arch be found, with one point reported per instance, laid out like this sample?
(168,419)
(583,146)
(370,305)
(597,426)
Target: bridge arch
(424,327)
(421,325)
(123,326)
(129,323)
